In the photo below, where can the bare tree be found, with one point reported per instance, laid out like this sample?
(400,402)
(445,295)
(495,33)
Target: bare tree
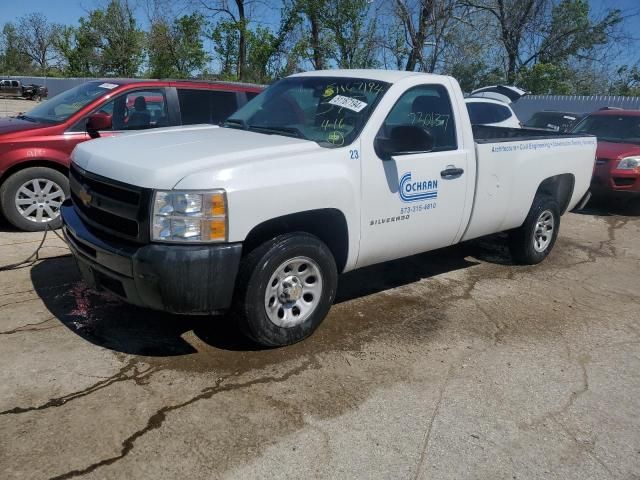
(36,39)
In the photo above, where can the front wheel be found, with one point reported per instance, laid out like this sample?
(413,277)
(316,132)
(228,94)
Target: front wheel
(31,198)
(532,242)
(285,289)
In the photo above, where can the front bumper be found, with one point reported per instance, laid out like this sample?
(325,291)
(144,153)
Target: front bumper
(614,182)
(186,279)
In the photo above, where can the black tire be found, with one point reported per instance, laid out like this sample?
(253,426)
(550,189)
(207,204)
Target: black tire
(10,188)
(256,271)
(524,248)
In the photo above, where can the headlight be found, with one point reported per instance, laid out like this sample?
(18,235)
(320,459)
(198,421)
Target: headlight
(189,216)
(629,163)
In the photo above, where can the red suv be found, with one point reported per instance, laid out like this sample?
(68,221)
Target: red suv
(35,147)
(617,169)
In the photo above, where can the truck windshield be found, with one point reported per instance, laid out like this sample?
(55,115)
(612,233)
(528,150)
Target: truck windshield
(612,128)
(328,110)
(62,106)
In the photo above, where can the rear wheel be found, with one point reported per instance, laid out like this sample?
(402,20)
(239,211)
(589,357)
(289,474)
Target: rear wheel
(31,198)
(533,241)
(285,289)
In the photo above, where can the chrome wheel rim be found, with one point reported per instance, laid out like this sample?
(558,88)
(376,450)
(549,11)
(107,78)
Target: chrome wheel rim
(293,292)
(543,233)
(39,200)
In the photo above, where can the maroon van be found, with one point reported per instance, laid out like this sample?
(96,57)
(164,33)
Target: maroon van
(35,147)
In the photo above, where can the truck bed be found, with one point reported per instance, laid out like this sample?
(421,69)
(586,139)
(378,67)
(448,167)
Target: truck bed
(512,163)
(491,134)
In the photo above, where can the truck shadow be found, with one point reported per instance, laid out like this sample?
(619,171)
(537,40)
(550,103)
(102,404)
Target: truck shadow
(603,207)
(106,321)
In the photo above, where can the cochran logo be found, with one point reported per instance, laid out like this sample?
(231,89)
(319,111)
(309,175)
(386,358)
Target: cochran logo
(84,196)
(411,191)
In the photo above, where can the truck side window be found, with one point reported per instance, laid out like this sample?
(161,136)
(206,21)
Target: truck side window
(206,106)
(427,106)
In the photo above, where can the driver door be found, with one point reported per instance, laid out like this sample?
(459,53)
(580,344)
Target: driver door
(413,201)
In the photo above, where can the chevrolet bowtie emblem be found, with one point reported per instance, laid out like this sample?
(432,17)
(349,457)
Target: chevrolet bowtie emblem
(84,196)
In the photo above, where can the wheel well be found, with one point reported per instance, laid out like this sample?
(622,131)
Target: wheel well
(329,225)
(33,163)
(560,187)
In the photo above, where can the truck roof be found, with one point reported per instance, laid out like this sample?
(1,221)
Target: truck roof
(390,76)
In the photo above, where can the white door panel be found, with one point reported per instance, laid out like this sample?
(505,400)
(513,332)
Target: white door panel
(408,207)
(413,202)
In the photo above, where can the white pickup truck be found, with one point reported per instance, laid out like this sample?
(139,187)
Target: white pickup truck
(322,173)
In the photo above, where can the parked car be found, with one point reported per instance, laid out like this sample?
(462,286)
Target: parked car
(486,111)
(35,147)
(617,169)
(323,173)
(553,121)
(15,89)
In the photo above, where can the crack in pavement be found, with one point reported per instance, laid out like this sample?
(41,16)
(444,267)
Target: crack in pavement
(581,445)
(156,420)
(427,435)
(24,328)
(40,290)
(20,301)
(123,375)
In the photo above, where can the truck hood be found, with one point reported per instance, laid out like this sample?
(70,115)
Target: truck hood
(614,151)
(160,158)
(11,124)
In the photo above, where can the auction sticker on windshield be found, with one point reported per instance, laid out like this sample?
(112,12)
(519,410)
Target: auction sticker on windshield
(347,102)
(110,86)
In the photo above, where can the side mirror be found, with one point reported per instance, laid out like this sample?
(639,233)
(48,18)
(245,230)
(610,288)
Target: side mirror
(404,140)
(97,122)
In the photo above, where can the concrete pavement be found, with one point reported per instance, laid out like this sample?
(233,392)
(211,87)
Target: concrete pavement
(450,365)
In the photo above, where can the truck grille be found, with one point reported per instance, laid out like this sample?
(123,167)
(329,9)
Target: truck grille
(113,207)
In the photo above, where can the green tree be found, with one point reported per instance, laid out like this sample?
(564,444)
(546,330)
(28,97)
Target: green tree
(627,81)
(113,34)
(571,32)
(79,49)
(176,50)
(13,61)
(353,30)
(472,75)
(546,78)
(225,38)
(533,31)
(314,42)
(234,31)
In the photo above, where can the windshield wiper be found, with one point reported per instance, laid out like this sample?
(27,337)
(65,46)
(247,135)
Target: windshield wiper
(24,117)
(234,123)
(288,131)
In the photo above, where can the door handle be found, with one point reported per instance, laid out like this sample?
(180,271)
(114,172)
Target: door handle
(451,172)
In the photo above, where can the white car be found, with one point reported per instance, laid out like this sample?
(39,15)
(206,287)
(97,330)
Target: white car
(322,173)
(485,111)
